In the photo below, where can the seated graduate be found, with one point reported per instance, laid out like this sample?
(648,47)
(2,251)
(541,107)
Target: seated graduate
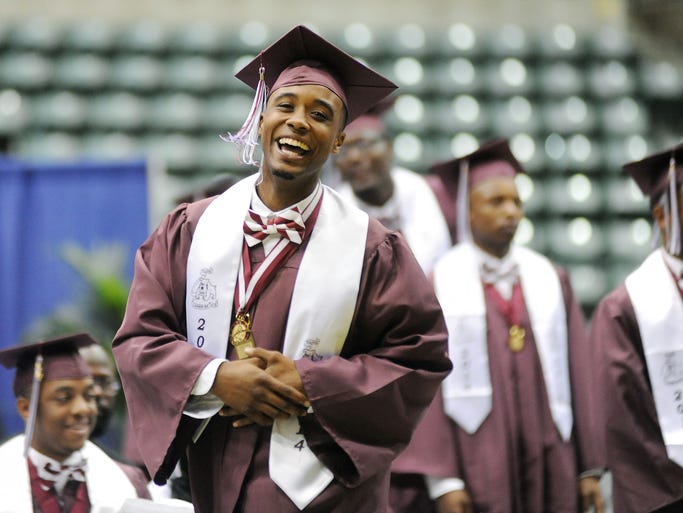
(52,467)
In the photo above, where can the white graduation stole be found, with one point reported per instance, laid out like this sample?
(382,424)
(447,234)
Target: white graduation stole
(108,486)
(467,390)
(320,312)
(659,312)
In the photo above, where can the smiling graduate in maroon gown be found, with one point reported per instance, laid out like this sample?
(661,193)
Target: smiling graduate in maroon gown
(337,342)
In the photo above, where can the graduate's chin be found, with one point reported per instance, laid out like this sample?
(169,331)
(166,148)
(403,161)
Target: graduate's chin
(283,174)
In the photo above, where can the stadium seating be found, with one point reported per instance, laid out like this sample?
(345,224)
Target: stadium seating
(575,104)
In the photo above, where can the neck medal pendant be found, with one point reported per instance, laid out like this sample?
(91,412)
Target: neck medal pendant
(516,338)
(241,335)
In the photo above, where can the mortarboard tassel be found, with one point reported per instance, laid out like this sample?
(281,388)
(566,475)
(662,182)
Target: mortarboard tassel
(464,232)
(247,137)
(674,224)
(33,406)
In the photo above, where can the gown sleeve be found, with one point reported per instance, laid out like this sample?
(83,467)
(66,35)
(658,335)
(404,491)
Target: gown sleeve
(158,368)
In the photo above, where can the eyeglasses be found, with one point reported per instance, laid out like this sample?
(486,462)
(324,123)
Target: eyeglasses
(108,384)
(362,145)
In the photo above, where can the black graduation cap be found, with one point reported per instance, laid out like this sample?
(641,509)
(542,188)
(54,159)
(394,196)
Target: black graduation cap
(652,174)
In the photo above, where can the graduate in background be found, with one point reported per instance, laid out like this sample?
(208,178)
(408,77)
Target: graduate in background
(399,198)
(53,468)
(637,336)
(514,424)
(296,393)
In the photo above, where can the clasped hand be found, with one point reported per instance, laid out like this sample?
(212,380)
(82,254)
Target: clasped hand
(259,389)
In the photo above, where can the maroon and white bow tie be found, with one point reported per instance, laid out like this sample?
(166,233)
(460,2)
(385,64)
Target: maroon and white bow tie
(288,224)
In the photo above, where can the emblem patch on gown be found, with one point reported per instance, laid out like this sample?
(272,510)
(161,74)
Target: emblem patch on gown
(311,350)
(204,291)
(672,372)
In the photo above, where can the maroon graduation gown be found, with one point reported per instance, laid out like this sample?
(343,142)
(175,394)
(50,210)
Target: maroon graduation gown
(644,478)
(516,462)
(367,400)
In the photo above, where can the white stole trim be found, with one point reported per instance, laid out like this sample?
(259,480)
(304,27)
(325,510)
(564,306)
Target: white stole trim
(659,312)
(108,486)
(320,313)
(467,390)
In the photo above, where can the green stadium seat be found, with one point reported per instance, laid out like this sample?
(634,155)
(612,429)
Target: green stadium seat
(26,71)
(179,153)
(624,116)
(459,75)
(660,79)
(623,197)
(81,72)
(568,116)
(137,73)
(90,36)
(178,112)
(560,78)
(464,113)
(509,40)
(13,112)
(609,79)
(508,76)
(144,36)
(119,111)
(198,38)
(49,146)
(222,113)
(514,115)
(38,34)
(195,74)
(576,240)
(61,110)
(575,195)
(560,42)
(111,146)
(610,42)
(629,241)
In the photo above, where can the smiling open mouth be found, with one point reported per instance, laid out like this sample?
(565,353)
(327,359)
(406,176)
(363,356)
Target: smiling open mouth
(292,145)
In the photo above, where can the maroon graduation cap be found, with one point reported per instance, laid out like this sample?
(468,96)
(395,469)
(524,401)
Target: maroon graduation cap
(43,361)
(451,181)
(303,57)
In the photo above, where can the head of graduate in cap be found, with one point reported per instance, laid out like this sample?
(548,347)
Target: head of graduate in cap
(307,91)
(365,159)
(55,393)
(659,177)
(487,207)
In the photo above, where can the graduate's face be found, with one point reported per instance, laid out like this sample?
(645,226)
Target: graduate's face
(104,376)
(364,161)
(299,128)
(66,416)
(495,212)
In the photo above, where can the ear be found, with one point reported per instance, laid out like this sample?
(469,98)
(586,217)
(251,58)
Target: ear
(260,124)
(23,405)
(338,142)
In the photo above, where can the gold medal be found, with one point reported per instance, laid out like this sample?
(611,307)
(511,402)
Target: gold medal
(516,338)
(241,335)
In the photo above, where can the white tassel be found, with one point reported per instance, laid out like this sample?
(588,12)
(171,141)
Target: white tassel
(674,224)
(33,405)
(463,229)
